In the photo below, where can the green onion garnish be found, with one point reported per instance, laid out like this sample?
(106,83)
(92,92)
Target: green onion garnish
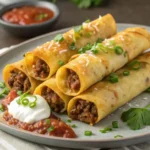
(99,40)
(50,129)
(48,121)
(72,46)
(32,104)
(61,63)
(115,124)
(74,126)
(105,130)
(87,21)
(19,92)
(25,101)
(88,133)
(135,65)
(78,29)
(1,107)
(2,85)
(69,120)
(41,16)
(59,38)
(112,43)
(113,78)
(118,136)
(118,50)
(126,73)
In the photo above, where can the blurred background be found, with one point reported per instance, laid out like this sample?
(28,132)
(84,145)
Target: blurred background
(74,12)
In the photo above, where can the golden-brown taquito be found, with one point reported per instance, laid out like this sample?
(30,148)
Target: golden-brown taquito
(16,77)
(104,97)
(45,60)
(88,68)
(56,99)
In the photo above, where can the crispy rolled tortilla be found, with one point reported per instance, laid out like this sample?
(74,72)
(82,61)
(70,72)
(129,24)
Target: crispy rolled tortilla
(104,97)
(88,68)
(16,77)
(56,99)
(45,60)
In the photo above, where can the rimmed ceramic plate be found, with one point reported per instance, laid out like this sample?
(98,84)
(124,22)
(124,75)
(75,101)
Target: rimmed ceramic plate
(98,139)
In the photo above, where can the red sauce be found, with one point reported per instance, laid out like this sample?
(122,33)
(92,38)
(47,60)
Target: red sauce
(28,15)
(60,129)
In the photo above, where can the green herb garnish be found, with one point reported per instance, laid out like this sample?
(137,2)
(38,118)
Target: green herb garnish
(19,93)
(88,133)
(59,38)
(78,29)
(4,92)
(74,126)
(1,107)
(126,73)
(135,65)
(137,118)
(105,130)
(113,78)
(41,16)
(115,124)
(32,104)
(48,121)
(50,129)
(69,120)
(118,136)
(2,85)
(87,21)
(118,50)
(72,46)
(61,63)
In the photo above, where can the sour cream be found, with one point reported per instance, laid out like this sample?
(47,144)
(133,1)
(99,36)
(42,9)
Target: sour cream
(27,114)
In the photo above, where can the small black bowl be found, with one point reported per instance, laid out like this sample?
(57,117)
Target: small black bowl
(33,29)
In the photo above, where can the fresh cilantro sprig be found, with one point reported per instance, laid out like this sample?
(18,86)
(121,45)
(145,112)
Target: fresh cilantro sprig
(137,118)
(87,3)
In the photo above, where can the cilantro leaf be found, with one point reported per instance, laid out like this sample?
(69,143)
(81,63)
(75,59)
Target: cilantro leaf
(59,38)
(136,118)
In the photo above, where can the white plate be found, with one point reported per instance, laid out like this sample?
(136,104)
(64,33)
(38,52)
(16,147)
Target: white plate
(98,139)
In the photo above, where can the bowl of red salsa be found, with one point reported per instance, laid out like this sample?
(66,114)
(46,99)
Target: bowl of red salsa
(29,18)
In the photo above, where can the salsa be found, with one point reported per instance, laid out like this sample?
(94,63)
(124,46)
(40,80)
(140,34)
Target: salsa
(52,126)
(28,15)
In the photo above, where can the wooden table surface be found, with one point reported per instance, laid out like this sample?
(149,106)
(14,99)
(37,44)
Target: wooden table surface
(124,11)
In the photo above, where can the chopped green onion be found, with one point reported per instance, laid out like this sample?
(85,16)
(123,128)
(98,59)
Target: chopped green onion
(99,40)
(126,73)
(4,92)
(118,136)
(85,48)
(1,107)
(74,126)
(115,124)
(113,78)
(41,16)
(18,101)
(69,120)
(50,129)
(88,34)
(2,85)
(118,50)
(32,104)
(87,21)
(135,65)
(61,63)
(78,29)
(102,47)
(105,130)
(112,43)
(148,90)
(48,121)
(19,92)
(72,46)
(25,101)
(59,38)
(87,133)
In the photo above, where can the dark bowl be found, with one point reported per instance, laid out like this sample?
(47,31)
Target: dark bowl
(33,29)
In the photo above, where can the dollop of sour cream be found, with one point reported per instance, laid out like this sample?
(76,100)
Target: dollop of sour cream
(27,114)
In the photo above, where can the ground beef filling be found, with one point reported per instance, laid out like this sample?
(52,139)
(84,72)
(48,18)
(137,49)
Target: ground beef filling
(40,68)
(55,102)
(84,111)
(19,81)
(73,81)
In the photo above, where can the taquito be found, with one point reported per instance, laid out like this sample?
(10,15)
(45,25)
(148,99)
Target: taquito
(55,98)
(103,58)
(16,77)
(106,96)
(45,60)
